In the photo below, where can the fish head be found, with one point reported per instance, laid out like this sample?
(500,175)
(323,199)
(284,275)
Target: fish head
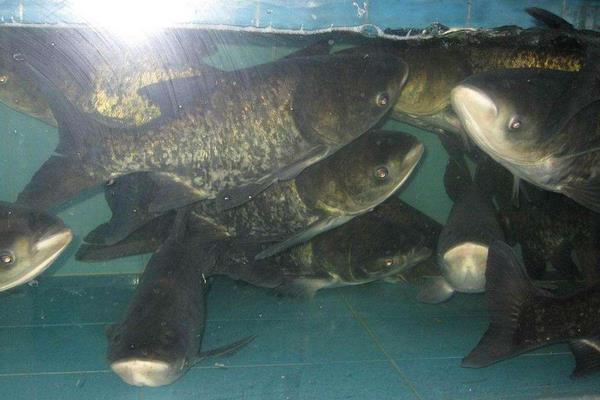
(505,112)
(365,172)
(342,96)
(154,344)
(30,241)
(464,265)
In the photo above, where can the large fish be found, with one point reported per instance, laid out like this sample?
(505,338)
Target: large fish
(439,63)
(223,135)
(379,245)
(508,114)
(325,195)
(30,241)
(463,244)
(159,338)
(523,317)
(549,227)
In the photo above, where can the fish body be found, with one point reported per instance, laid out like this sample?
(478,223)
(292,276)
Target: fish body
(159,338)
(30,241)
(463,243)
(325,195)
(508,115)
(223,135)
(523,317)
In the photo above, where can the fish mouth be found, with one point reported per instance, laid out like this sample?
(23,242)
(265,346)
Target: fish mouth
(145,372)
(45,251)
(464,266)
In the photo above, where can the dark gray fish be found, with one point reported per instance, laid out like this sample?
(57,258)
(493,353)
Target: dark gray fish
(159,338)
(506,113)
(523,317)
(30,241)
(221,135)
(463,244)
(549,227)
(325,195)
(366,249)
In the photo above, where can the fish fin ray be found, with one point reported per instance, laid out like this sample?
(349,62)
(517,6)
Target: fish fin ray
(587,355)
(56,181)
(226,350)
(436,290)
(508,291)
(304,236)
(236,196)
(587,194)
(549,19)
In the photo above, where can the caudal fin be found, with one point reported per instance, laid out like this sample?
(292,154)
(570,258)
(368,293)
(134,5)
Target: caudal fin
(587,355)
(509,293)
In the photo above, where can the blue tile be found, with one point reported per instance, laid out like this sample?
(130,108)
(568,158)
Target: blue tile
(434,337)
(239,301)
(52,349)
(384,300)
(91,386)
(375,380)
(531,377)
(285,341)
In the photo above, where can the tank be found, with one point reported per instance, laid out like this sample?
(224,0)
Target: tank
(244,199)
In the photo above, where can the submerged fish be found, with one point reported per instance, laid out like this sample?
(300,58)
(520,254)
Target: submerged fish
(325,195)
(366,249)
(510,115)
(463,244)
(439,63)
(523,317)
(549,227)
(159,338)
(223,135)
(30,241)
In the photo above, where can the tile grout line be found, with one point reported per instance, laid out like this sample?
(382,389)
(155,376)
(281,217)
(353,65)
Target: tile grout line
(375,340)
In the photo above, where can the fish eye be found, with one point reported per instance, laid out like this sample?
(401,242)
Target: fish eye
(3,79)
(381,173)
(7,258)
(514,123)
(388,262)
(382,99)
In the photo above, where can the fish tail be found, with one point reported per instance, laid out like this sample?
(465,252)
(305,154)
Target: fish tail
(64,174)
(587,355)
(510,295)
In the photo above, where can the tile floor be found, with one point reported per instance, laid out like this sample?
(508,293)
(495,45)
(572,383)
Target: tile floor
(368,342)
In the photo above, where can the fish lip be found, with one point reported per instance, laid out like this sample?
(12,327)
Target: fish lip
(48,248)
(166,373)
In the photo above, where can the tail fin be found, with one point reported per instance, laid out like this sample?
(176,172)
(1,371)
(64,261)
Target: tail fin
(61,177)
(549,19)
(587,355)
(509,293)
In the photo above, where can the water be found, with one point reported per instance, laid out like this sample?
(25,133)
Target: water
(373,340)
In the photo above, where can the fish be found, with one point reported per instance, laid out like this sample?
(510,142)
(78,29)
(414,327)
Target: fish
(325,195)
(24,96)
(222,135)
(549,227)
(462,248)
(368,248)
(524,317)
(441,62)
(159,337)
(506,114)
(30,241)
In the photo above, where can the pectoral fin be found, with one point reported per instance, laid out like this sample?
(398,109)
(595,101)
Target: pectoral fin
(304,236)
(236,196)
(225,350)
(587,194)
(436,290)
(587,355)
